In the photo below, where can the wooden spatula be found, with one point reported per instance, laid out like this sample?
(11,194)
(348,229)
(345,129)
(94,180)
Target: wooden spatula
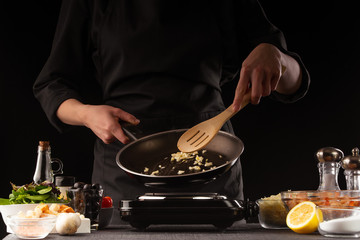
(201,134)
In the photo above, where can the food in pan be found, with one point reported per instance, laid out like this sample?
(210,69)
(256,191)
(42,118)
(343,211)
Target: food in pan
(184,163)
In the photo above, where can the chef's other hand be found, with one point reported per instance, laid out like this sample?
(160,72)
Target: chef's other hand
(267,69)
(103,120)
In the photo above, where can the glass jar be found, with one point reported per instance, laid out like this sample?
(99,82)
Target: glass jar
(64,183)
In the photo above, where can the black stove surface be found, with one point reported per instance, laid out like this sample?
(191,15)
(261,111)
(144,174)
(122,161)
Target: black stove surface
(185,208)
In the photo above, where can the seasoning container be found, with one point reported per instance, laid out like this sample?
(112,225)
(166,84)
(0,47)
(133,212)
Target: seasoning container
(64,183)
(272,212)
(338,222)
(351,166)
(44,171)
(329,164)
(86,199)
(77,200)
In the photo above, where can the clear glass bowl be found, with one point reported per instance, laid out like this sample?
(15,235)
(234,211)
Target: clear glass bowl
(272,214)
(338,222)
(335,198)
(31,228)
(13,209)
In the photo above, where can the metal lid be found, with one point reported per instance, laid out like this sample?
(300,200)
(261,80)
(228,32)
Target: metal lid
(329,154)
(352,162)
(64,181)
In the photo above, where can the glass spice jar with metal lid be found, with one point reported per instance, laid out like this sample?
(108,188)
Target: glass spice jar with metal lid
(351,166)
(64,183)
(329,164)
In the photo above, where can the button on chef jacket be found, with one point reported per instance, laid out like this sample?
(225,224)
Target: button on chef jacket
(162,61)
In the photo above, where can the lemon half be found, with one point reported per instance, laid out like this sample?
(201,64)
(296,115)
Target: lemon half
(302,218)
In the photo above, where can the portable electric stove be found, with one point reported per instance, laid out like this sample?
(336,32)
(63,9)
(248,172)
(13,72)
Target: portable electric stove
(185,208)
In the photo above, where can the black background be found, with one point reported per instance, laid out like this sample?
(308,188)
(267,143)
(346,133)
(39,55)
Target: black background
(280,139)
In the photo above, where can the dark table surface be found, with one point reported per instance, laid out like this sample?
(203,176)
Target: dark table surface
(239,230)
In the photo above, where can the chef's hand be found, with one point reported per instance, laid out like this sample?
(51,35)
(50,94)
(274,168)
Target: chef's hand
(103,120)
(262,72)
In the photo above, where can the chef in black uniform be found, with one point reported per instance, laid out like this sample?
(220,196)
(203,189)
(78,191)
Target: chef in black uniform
(161,64)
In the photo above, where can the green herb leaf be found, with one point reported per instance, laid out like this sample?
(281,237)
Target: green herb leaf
(35,193)
(44,190)
(4,201)
(39,187)
(38,197)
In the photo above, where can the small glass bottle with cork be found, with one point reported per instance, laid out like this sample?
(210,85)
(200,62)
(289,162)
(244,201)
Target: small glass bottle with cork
(44,171)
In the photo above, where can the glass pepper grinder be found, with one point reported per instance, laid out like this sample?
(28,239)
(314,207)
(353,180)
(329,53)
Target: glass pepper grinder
(329,164)
(351,166)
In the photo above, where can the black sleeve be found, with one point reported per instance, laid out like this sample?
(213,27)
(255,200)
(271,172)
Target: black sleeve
(63,72)
(258,29)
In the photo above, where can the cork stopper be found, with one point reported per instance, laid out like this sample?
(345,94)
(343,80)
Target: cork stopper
(44,145)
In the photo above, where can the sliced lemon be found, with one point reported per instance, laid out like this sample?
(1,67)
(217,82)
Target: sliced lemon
(302,218)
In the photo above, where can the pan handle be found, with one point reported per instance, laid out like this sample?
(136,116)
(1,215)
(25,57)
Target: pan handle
(133,132)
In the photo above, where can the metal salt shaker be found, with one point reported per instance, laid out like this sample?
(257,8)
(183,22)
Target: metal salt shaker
(351,166)
(329,164)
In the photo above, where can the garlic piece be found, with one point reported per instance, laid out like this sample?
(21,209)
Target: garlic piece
(67,223)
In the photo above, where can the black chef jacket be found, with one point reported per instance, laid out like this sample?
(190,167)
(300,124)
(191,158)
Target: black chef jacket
(162,61)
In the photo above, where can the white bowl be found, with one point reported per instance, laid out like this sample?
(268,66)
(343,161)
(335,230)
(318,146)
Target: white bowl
(31,228)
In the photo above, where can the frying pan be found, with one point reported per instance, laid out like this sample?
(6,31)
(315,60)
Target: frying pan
(150,150)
